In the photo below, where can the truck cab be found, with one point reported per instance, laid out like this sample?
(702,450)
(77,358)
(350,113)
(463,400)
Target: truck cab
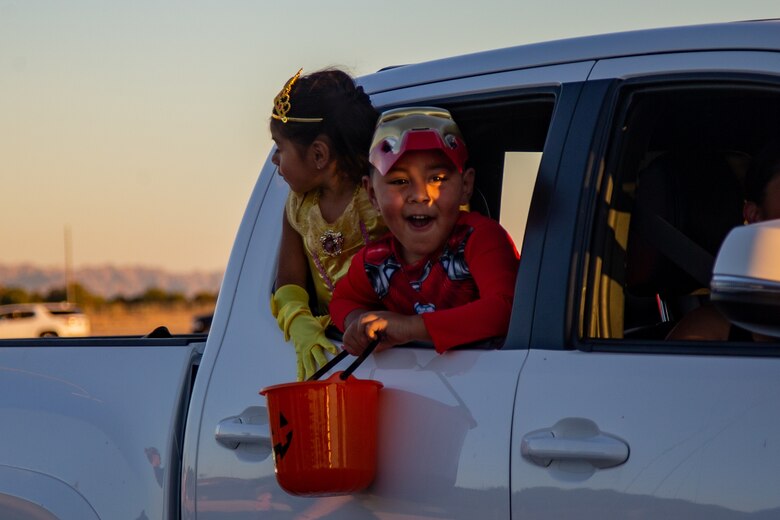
(609,159)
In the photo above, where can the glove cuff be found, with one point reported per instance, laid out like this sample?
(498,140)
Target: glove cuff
(288,303)
(288,294)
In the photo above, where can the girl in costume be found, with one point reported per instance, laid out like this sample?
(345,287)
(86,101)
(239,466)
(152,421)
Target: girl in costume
(322,125)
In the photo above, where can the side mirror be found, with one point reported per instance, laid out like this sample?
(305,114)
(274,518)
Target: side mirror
(746,278)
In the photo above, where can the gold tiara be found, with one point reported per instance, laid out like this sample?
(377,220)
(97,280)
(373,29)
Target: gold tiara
(282,104)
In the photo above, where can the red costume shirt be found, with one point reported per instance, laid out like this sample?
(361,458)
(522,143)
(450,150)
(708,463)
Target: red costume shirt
(464,293)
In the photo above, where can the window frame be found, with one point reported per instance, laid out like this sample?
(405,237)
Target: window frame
(564,98)
(613,144)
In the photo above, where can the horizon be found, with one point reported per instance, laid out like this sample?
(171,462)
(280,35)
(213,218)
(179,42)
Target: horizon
(109,281)
(111,265)
(142,127)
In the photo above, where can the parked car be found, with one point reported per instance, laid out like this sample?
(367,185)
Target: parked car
(615,161)
(41,320)
(201,324)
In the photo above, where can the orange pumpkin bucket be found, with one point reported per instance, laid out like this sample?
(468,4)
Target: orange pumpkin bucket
(324,432)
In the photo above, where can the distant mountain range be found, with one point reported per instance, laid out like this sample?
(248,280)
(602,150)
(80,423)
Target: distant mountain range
(110,281)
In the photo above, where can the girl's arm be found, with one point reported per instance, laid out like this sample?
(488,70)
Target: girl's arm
(292,267)
(290,305)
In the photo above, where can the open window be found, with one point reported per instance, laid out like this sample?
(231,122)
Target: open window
(672,188)
(505,139)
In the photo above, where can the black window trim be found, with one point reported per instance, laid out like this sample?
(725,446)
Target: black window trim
(606,147)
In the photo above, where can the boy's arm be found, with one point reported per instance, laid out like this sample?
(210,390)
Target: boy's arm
(493,262)
(353,292)
(358,312)
(392,328)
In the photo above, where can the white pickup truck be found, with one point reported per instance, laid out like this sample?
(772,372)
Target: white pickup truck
(616,163)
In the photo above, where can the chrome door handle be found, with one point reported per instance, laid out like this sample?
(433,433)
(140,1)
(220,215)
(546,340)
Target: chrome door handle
(249,428)
(574,440)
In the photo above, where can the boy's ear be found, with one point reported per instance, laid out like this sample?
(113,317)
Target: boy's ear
(468,185)
(751,212)
(370,191)
(319,151)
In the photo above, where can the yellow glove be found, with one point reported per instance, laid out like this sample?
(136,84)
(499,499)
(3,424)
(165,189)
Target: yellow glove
(290,307)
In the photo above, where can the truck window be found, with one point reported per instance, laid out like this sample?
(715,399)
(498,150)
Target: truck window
(506,139)
(672,188)
(520,170)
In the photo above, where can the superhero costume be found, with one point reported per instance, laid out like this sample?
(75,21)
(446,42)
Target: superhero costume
(464,292)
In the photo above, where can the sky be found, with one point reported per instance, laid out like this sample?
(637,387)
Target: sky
(139,128)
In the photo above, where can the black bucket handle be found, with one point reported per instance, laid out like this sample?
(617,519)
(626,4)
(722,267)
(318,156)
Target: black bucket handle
(341,355)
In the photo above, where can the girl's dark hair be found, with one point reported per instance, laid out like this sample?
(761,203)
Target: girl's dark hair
(348,118)
(764,167)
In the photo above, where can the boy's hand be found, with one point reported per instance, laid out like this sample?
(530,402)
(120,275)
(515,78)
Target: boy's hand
(392,328)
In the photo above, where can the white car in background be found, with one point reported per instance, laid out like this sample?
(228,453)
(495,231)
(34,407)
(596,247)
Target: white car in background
(34,320)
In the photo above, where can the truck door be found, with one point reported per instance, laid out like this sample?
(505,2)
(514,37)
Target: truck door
(445,420)
(613,417)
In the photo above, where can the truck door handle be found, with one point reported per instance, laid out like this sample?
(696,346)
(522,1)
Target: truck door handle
(574,440)
(248,428)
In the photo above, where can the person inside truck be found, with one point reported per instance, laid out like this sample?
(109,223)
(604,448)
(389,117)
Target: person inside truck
(442,275)
(762,202)
(322,125)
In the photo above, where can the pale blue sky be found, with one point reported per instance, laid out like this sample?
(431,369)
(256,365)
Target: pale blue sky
(142,125)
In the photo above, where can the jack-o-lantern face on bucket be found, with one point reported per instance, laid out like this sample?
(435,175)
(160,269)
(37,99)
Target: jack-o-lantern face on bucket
(284,433)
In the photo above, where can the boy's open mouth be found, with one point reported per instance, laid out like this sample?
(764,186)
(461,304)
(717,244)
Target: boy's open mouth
(418,221)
